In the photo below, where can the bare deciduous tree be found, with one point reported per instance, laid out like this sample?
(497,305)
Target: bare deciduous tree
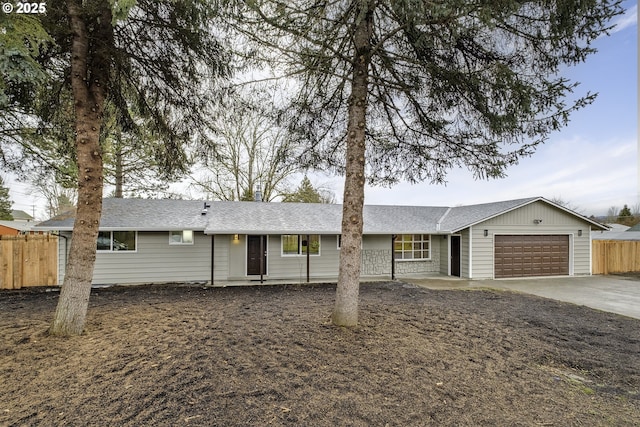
(248,151)
(59,198)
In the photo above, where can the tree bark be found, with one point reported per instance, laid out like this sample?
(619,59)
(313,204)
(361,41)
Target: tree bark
(89,77)
(345,312)
(119,168)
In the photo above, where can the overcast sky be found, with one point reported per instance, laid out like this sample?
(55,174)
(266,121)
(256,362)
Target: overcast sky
(592,163)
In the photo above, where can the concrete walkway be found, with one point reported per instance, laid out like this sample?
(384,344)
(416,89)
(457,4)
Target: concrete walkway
(615,294)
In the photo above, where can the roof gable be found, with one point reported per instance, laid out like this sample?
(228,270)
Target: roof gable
(467,216)
(461,217)
(19,215)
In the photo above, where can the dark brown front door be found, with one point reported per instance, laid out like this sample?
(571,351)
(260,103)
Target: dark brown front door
(455,256)
(253,255)
(531,255)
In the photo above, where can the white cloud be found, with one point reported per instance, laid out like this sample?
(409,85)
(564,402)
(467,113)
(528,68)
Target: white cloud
(628,19)
(592,175)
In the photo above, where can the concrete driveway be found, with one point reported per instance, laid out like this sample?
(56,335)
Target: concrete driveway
(615,294)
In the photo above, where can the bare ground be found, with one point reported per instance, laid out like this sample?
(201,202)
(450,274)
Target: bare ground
(244,356)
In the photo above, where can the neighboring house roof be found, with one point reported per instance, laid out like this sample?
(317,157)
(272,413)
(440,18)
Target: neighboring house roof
(618,227)
(634,228)
(17,225)
(19,215)
(616,235)
(289,218)
(618,232)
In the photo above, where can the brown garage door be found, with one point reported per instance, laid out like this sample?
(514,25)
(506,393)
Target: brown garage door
(529,255)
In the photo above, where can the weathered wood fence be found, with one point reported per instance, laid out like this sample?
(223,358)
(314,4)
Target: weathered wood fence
(615,256)
(28,260)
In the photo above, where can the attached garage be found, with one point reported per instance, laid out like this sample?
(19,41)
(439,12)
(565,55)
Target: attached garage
(531,255)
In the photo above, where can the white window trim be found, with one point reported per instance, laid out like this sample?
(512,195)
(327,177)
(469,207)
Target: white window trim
(339,242)
(418,259)
(181,242)
(111,251)
(300,238)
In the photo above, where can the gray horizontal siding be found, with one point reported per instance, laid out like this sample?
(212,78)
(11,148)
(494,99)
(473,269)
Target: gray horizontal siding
(465,260)
(221,257)
(295,267)
(444,253)
(157,261)
(520,221)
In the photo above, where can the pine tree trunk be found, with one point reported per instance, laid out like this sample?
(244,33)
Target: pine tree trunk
(119,169)
(88,83)
(345,312)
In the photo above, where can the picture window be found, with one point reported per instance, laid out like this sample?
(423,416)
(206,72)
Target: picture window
(117,241)
(296,244)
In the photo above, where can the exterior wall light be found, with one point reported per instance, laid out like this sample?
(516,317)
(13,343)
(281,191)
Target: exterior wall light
(236,237)
(537,221)
(486,233)
(579,232)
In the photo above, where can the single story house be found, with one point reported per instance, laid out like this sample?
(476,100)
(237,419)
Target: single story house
(149,241)
(21,216)
(15,228)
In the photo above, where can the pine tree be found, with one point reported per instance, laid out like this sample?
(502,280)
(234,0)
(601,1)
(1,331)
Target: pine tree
(625,216)
(142,62)
(395,90)
(305,193)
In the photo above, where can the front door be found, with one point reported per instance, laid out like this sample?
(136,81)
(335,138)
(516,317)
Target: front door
(253,255)
(455,256)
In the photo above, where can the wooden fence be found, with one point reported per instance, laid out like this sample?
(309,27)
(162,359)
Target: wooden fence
(28,260)
(615,256)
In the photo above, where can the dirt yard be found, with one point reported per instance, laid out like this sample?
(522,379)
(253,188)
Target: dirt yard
(260,356)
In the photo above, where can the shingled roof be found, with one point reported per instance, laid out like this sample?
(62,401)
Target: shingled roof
(286,218)
(301,218)
(140,215)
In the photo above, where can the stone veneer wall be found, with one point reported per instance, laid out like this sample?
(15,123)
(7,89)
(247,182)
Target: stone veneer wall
(377,262)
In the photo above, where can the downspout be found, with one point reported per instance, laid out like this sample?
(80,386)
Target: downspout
(66,240)
(261,259)
(213,241)
(393,256)
(590,254)
(308,256)
(471,252)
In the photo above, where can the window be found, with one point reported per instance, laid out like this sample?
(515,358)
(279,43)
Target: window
(412,246)
(296,244)
(183,237)
(339,241)
(116,241)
